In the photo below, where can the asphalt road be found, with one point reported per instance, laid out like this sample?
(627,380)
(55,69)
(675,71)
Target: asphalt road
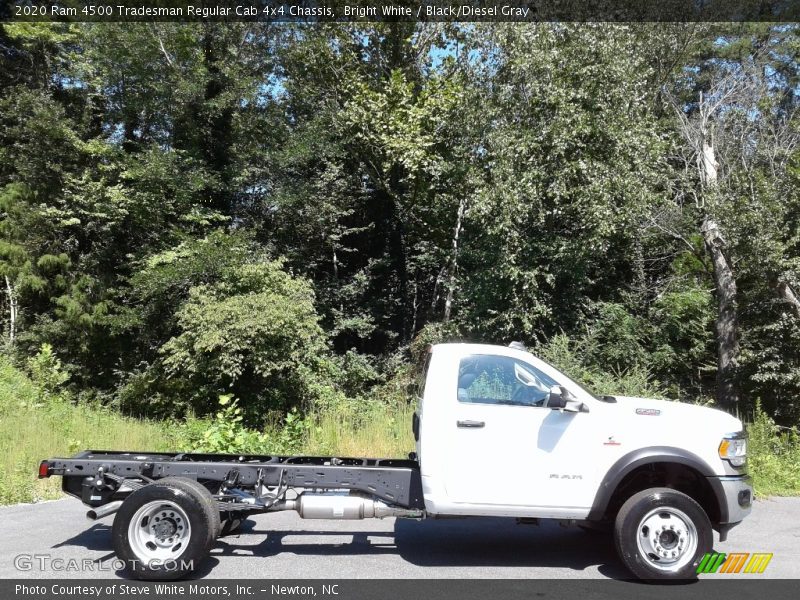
(282,545)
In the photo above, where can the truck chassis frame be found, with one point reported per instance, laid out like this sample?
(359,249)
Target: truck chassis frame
(100,477)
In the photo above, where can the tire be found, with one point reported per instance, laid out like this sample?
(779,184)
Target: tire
(165,529)
(662,534)
(207,497)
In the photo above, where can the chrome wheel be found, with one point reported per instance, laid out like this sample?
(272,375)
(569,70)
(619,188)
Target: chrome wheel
(159,531)
(667,539)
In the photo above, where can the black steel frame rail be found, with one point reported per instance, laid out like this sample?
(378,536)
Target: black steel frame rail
(396,481)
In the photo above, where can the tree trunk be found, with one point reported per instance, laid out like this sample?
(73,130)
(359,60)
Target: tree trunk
(401,260)
(335,259)
(725,284)
(12,310)
(451,280)
(709,166)
(726,324)
(787,294)
(217,118)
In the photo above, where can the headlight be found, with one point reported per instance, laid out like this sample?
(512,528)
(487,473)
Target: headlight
(733,448)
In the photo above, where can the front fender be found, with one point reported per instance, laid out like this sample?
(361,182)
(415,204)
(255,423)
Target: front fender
(654,455)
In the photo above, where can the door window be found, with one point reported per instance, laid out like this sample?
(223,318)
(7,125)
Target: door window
(488,379)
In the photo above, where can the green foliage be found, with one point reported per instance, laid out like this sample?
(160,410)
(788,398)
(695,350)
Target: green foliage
(47,372)
(615,339)
(226,433)
(255,332)
(571,150)
(25,260)
(376,430)
(432,333)
(259,317)
(570,356)
(292,435)
(372,178)
(490,386)
(162,282)
(681,343)
(773,456)
(356,373)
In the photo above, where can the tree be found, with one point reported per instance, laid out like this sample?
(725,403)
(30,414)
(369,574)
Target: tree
(253,333)
(698,129)
(566,162)
(734,122)
(369,178)
(166,187)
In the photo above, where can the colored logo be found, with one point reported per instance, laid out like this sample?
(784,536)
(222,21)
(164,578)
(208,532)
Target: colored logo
(735,562)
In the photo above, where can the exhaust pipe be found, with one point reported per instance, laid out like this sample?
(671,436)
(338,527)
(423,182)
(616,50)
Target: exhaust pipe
(345,507)
(103,511)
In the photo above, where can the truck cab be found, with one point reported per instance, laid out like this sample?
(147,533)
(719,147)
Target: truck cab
(503,433)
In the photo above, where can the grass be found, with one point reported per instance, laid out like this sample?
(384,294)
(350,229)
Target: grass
(773,457)
(380,432)
(35,425)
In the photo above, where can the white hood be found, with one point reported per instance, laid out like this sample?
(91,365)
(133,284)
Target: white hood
(689,416)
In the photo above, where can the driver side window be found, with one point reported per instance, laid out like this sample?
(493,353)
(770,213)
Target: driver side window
(488,379)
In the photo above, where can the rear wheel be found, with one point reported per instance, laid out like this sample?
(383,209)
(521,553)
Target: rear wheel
(662,534)
(164,530)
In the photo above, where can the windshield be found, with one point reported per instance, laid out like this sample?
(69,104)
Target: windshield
(563,378)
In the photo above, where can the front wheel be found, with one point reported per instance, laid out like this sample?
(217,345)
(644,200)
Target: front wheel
(662,534)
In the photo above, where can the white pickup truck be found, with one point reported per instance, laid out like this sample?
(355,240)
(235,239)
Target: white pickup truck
(498,432)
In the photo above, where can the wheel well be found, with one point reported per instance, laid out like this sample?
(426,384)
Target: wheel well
(672,475)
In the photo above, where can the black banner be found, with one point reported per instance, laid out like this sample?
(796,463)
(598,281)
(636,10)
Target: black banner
(302,11)
(485,589)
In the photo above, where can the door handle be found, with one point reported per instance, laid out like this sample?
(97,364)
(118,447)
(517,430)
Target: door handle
(470,424)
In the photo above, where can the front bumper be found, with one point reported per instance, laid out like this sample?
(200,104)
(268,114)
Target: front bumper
(735,494)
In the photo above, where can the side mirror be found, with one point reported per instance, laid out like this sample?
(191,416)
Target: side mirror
(556,399)
(560,398)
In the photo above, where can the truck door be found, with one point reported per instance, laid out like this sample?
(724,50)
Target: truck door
(505,446)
